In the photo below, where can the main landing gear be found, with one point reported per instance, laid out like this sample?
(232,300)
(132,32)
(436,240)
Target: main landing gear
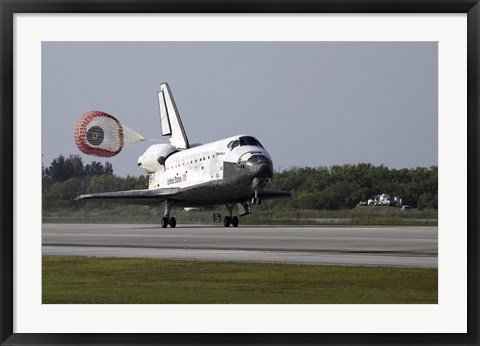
(230,220)
(168,221)
(165,207)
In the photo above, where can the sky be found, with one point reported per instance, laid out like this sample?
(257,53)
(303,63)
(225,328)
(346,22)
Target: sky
(309,103)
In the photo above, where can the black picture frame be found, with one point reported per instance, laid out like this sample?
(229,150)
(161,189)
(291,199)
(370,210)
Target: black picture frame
(10,7)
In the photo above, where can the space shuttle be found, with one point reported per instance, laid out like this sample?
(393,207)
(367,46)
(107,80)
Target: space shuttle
(234,171)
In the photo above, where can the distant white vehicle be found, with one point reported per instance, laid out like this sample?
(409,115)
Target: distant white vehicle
(384,200)
(191,209)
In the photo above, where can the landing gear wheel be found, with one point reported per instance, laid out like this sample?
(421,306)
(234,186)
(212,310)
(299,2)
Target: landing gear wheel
(226,221)
(166,221)
(256,200)
(235,221)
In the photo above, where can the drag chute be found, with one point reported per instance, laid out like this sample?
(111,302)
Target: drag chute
(101,134)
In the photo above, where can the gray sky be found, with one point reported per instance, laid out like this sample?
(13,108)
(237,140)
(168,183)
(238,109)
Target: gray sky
(309,103)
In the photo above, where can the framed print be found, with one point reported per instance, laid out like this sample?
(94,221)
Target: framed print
(384,87)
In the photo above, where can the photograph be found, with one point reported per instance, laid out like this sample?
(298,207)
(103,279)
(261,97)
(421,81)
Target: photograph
(243,173)
(277,172)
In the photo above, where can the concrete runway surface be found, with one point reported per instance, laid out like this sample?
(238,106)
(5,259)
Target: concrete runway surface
(332,245)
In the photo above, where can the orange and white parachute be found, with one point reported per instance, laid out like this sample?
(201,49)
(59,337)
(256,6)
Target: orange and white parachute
(101,134)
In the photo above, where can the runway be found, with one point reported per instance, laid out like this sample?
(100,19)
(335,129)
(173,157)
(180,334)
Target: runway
(321,245)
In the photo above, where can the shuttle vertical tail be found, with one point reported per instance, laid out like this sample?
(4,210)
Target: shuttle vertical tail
(170,119)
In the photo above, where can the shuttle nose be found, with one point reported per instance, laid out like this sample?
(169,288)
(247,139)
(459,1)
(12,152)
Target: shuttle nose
(264,170)
(260,166)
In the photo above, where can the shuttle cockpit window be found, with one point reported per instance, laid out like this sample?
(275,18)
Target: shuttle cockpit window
(246,140)
(233,144)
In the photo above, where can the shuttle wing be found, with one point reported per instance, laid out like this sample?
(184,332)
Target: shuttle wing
(271,194)
(170,119)
(142,197)
(155,196)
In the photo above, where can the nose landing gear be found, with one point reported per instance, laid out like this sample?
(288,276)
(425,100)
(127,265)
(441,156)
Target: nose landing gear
(256,200)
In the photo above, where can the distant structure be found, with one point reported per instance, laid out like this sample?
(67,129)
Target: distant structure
(382,200)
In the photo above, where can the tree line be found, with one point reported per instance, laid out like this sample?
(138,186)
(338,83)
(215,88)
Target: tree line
(67,178)
(344,186)
(336,187)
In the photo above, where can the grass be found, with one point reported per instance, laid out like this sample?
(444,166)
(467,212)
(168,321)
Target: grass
(259,216)
(91,280)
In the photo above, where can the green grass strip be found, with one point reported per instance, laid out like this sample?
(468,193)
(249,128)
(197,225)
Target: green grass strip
(260,216)
(92,280)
